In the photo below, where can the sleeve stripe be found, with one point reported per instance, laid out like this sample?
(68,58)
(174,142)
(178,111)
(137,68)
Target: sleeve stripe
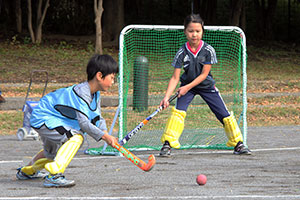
(212,54)
(176,58)
(179,52)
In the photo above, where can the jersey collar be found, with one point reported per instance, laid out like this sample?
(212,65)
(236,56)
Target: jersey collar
(195,53)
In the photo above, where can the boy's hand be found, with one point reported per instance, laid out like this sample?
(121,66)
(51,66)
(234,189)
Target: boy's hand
(110,140)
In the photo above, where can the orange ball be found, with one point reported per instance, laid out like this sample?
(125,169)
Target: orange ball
(201,179)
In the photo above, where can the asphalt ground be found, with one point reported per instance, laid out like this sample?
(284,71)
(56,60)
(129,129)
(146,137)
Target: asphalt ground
(271,172)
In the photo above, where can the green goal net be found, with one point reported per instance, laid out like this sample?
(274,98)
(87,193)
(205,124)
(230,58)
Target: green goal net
(146,53)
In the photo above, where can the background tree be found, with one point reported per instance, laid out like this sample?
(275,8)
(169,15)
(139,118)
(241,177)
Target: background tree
(207,10)
(18,12)
(113,20)
(36,34)
(7,16)
(75,18)
(238,14)
(98,10)
(265,11)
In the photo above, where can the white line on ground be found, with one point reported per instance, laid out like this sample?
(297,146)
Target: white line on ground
(166,197)
(253,150)
(177,153)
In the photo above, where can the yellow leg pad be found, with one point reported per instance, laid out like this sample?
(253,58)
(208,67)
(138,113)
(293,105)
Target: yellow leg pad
(38,165)
(64,155)
(232,130)
(174,128)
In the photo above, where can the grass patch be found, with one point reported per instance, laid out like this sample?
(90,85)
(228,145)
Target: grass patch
(10,122)
(275,101)
(64,63)
(272,68)
(273,116)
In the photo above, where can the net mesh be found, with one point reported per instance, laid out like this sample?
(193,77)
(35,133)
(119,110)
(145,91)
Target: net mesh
(147,57)
(145,61)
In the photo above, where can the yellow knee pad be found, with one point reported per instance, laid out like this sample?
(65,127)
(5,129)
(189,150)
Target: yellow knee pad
(37,165)
(174,128)
(64,155)
(232,130)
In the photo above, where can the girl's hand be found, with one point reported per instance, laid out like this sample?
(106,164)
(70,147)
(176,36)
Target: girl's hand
(165,102)
(183,90)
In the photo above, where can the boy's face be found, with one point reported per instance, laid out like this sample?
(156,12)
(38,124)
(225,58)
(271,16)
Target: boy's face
(107,82)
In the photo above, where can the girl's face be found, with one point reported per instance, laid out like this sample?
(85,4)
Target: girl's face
(194,33)
(107,82)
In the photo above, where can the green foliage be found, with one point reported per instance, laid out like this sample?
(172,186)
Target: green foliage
(14,40)
(10,121)
(90,46)
(27,40)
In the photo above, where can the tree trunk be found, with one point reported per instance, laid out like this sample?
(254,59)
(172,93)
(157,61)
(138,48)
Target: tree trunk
(36,35)
(243,23)
(18,16)
(29,21)
(113,20)
(98,9)
(207,11)
(40,20)
(236,12)
(269,19)
(264,17)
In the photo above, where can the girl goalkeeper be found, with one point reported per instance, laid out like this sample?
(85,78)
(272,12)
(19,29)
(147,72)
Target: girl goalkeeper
(196,57)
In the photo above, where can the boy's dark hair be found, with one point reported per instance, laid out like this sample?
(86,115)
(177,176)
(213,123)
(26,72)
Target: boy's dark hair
(194,18)
(101,63)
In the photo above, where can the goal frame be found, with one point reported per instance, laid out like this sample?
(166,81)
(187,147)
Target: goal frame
(176,27)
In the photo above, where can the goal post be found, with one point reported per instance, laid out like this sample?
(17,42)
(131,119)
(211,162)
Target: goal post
(145,56)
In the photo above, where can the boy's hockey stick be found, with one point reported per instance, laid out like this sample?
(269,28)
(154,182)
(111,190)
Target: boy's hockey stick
(135,160)
(144,122)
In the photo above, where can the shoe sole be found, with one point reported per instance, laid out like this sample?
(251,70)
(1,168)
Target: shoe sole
(238,153)
(59,186)
(23,178)
(165,155)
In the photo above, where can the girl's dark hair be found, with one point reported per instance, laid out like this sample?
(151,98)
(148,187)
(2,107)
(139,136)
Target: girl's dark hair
(101,63)
(193,18)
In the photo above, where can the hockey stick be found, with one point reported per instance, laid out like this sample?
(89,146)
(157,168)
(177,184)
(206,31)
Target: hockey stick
(135,160)
(144,122)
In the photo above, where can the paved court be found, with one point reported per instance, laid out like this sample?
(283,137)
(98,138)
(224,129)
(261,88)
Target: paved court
(272,172)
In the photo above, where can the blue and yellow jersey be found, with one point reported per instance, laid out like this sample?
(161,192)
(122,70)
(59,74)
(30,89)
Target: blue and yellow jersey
(59,108)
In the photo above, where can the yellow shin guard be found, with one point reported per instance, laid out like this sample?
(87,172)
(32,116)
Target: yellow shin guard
(37,165)
(232,130)
(174,128)
(64,155)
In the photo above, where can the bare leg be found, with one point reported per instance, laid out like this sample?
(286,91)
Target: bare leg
(38,156)
(36,164)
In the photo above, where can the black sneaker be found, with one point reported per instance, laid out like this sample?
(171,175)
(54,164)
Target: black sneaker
(240,149)
(165,150)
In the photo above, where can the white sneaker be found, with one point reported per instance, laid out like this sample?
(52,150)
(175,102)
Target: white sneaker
(23,176)
(58,180)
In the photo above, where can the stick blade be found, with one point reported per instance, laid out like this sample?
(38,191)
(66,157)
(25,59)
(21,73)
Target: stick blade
(151,162)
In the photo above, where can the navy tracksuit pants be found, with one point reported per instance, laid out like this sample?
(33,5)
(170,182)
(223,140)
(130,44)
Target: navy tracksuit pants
(211,96)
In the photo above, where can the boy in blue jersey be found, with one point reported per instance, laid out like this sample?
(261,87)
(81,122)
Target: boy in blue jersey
(63,116)
(196,57)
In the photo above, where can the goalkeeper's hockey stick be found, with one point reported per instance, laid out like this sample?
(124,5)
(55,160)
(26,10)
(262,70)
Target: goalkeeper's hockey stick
(144,122)
(135,160)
